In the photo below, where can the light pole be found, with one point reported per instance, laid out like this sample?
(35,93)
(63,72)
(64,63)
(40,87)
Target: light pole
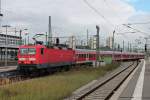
(49,33)
(113,44)
(28,38)
(1,15)
(128,46)
(123,46)
(6,44)
(46,39)
(1,8)
(87,38)
(113,39)
(20,32)
(146,40)
(97,45)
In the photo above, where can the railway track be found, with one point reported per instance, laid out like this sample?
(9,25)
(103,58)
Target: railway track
(103,90)
(10,80)
(10,77)
(14,76)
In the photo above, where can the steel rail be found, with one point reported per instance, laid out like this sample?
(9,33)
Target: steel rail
(84,96)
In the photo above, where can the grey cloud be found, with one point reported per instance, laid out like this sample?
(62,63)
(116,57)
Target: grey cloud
(68,16)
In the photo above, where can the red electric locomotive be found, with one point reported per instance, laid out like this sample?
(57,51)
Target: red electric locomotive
(33,57)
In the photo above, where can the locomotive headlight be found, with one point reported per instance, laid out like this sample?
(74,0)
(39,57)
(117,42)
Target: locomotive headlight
(22,59)
(32,59)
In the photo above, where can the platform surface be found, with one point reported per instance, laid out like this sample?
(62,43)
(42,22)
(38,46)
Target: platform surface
(7,68)
(137,86)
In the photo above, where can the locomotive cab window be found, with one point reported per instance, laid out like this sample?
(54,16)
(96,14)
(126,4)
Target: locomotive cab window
(25,51)
(31,51)
(42,51)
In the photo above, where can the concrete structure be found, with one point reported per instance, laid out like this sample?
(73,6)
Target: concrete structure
(13,43)
(92,42)
(72,42)
(9,68)
(136,86)
(109,42)
(12,40)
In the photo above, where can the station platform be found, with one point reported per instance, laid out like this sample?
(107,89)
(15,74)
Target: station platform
(136,86)
(7,68)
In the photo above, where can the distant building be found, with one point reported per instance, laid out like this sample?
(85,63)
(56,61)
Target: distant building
(109,42)
(72,42)
(92,42)
(12,41)
(12,46)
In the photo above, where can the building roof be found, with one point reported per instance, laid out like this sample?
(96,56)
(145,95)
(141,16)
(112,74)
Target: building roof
(12,36)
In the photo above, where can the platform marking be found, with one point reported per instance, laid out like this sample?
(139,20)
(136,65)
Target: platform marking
(137,95)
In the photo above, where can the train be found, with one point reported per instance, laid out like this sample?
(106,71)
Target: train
(38,57)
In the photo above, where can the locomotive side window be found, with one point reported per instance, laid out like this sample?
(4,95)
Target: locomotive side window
(42,51)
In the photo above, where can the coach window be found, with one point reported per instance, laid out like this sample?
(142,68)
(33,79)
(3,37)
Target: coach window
(84,55)
(80,56)
(42,51)
(90,56)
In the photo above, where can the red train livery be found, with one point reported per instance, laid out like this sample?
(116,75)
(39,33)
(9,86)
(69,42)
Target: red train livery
(39,57)
(32,57)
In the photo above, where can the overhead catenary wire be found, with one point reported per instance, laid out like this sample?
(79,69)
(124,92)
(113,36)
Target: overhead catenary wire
(135,23)
(98,12)
(105,1)
(148,22)
(128,26)
(139,23)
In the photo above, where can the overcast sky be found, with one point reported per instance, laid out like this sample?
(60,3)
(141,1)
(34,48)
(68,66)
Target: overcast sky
(75,16)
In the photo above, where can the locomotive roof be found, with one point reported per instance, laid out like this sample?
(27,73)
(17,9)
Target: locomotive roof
(32,46)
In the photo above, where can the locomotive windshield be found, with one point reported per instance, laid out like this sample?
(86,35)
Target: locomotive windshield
(24,51)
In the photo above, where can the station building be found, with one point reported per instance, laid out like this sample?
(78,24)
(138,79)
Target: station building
(12,46)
